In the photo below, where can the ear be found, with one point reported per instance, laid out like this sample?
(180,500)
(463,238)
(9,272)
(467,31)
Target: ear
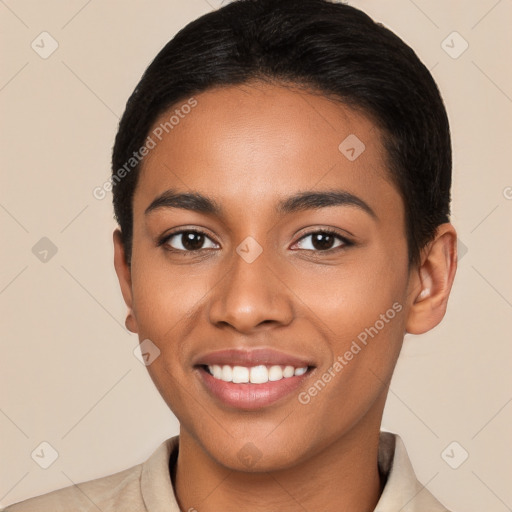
(123,272)
(431,283)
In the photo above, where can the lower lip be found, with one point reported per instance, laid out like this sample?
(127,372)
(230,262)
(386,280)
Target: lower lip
(250,396)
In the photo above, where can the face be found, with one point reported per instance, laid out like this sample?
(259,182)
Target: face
(294,256)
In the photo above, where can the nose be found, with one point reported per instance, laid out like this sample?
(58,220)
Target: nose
(251,296)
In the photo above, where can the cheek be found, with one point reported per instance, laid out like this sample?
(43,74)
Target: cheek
(362,315)
(360,309)
(164,295)
(352,296)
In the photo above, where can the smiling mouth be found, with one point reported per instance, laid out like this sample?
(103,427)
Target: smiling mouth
(252,387)
(252,378)
(259,374)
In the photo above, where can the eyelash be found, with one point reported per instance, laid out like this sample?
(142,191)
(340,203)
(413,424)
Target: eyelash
(346,243)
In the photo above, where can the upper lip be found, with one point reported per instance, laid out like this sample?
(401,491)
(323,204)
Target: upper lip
(252,357)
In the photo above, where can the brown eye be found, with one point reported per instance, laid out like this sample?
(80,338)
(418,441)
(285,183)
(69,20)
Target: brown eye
(188,241)
(322,241)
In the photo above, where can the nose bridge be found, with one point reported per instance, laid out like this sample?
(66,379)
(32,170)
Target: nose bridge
(250,293)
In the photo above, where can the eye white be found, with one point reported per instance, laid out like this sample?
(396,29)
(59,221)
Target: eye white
(179,236)
(311,248)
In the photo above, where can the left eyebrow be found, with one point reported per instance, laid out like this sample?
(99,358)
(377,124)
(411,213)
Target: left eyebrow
(308,200)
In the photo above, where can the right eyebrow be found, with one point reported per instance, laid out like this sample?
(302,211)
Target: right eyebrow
(187,201)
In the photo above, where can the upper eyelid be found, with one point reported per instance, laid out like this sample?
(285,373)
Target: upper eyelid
(165,238)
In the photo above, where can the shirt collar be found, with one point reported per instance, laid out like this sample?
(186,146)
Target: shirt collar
(402,491)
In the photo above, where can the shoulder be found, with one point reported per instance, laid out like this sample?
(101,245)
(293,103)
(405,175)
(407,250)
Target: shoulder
(107,494)
(127,490)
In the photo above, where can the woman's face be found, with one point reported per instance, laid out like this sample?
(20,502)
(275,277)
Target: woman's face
(263,274)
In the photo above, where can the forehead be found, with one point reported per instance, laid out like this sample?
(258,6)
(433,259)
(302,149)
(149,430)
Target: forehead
(246,144)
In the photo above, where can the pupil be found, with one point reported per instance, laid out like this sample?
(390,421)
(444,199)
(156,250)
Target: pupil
(192,241)
(322,240)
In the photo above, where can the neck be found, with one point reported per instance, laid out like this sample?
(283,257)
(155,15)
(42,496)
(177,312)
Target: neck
(342,477)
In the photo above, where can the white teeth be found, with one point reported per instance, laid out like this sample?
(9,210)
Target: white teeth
(259,374)
(216,371)
(288,371)
(227,373)
(275,373)
(256,374)
(240,374)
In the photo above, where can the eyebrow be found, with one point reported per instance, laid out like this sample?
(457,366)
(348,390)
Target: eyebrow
(301,201)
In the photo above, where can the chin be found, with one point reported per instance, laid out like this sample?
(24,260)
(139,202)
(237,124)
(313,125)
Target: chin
(256,456)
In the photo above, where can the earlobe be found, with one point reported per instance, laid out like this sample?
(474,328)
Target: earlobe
(431,286)
(130,323)
(123,272)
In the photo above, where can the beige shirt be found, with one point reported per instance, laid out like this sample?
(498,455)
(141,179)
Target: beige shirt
(147,487)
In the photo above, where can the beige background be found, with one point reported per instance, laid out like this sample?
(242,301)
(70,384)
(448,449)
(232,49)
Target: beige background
(68,373)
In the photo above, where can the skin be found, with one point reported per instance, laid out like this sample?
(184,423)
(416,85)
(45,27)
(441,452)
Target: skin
(248,147)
